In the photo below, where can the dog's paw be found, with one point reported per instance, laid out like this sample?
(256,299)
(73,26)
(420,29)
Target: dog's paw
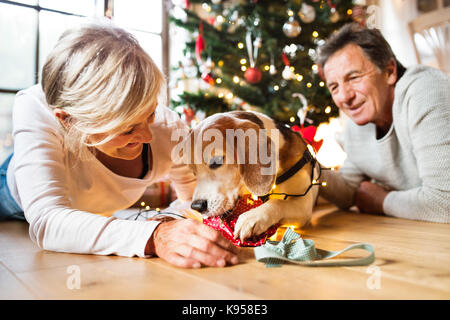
(252,223)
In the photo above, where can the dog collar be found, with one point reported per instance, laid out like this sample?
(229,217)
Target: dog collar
(306,158)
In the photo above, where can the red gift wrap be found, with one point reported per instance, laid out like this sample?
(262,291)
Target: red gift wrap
(225,224)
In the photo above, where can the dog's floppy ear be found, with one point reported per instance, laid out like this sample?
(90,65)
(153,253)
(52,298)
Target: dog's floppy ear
(257,183)
(258,171)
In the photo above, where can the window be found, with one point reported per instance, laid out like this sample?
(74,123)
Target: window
(30,28)
(147,20)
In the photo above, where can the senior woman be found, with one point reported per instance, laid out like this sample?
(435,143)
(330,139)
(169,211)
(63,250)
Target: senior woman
(88,141)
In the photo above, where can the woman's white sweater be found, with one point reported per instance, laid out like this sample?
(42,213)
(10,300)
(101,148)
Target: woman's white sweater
(70,204)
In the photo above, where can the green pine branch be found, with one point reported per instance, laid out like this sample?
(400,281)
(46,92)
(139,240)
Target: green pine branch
(273,94)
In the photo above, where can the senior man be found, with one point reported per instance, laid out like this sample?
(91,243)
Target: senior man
(398,139)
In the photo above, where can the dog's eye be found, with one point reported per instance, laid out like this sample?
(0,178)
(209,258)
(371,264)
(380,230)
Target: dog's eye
(215,162)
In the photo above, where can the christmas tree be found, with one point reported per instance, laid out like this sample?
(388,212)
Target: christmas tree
(257,55)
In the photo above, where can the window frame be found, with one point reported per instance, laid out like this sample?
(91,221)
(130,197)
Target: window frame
(36,55)
(101,10)
(101,6)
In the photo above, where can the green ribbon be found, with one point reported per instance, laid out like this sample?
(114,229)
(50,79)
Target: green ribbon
(292,248)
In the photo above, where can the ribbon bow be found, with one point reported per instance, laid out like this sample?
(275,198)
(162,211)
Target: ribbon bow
(292,248)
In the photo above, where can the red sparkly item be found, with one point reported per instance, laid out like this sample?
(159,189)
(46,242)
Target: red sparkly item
(226,224)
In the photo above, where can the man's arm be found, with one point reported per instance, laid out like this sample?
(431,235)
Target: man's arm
(341,185)
(428,118)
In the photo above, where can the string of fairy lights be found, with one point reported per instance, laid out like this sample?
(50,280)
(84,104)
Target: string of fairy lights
(248,57)
(146,212)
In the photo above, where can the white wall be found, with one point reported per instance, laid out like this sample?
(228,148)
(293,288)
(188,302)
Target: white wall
(394,16)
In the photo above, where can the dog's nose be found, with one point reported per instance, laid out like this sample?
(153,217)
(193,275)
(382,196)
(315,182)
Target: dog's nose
(199,205)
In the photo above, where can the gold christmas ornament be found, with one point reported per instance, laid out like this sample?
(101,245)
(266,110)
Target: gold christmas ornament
(292,28)
(334,17)
(307,13)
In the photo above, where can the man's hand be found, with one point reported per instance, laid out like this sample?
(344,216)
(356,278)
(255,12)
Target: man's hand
(370,197)
(188,243)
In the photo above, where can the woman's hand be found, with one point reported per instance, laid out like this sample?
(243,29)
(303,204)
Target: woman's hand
(188,243)
(370,197)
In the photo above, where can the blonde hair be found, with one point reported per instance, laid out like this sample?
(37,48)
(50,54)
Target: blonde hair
(101,77)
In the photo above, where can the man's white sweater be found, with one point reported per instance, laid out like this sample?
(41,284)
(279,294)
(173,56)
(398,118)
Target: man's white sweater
(412,159)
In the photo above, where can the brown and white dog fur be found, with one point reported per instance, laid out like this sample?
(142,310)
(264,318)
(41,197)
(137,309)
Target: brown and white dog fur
(220,186)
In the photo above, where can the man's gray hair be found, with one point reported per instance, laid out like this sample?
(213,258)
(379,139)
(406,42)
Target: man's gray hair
(371,41)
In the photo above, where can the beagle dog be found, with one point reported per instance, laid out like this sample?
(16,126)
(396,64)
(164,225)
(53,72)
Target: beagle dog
(247,152)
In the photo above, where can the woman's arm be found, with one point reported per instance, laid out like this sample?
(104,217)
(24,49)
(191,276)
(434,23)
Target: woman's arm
(188,243)
(41,181)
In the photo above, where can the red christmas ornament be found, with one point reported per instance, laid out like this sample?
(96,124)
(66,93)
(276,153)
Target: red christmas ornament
(199,44)
(285,59)
(226,224)
(189,114)
(208,78)
(253,75)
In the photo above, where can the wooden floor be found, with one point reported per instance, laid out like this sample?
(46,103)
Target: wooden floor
(412,262)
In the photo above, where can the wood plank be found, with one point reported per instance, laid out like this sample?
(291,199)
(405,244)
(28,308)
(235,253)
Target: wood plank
(400,278)
(14,236)
(394,264)
(297,282)
(20,254)
(124,278)
(12,288)
(23,261)
(419,242)
(413,251)
(412,256)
